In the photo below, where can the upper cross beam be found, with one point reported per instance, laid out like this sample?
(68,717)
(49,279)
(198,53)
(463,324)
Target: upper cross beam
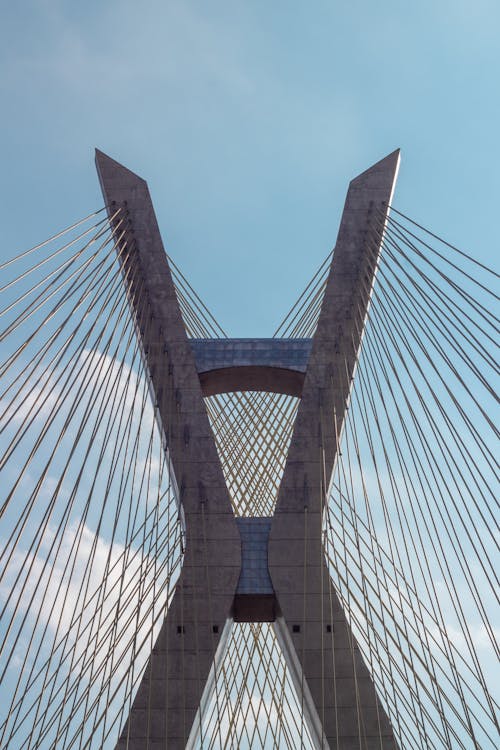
(273,365)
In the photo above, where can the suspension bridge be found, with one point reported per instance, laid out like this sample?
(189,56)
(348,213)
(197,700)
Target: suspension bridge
(210,542)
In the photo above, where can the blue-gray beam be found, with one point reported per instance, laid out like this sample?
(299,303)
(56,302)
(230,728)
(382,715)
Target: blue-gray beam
(275,365)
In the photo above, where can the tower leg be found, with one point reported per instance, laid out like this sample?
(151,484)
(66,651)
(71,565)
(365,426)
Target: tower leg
(169,695)
(167,708)
(331,667)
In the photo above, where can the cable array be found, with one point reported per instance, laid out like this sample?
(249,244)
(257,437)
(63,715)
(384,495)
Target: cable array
(91,542)
(412,526)
(90,538)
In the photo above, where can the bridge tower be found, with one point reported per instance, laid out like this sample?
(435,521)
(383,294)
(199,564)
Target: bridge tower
(254,569)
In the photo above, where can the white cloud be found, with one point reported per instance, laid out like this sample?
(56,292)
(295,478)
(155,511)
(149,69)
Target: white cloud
(90,596)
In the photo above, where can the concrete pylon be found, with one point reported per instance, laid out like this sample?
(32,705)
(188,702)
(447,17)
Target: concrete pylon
(292,588)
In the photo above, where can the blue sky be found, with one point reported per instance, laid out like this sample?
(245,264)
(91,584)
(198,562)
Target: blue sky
(248,120)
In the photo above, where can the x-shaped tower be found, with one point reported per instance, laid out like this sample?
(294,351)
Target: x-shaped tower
(253,569)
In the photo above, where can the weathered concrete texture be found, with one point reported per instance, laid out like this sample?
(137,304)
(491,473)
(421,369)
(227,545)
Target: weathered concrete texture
(351,716)
(168,698)
(275,365)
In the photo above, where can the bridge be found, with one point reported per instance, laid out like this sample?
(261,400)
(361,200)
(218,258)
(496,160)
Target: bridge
(213,542)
